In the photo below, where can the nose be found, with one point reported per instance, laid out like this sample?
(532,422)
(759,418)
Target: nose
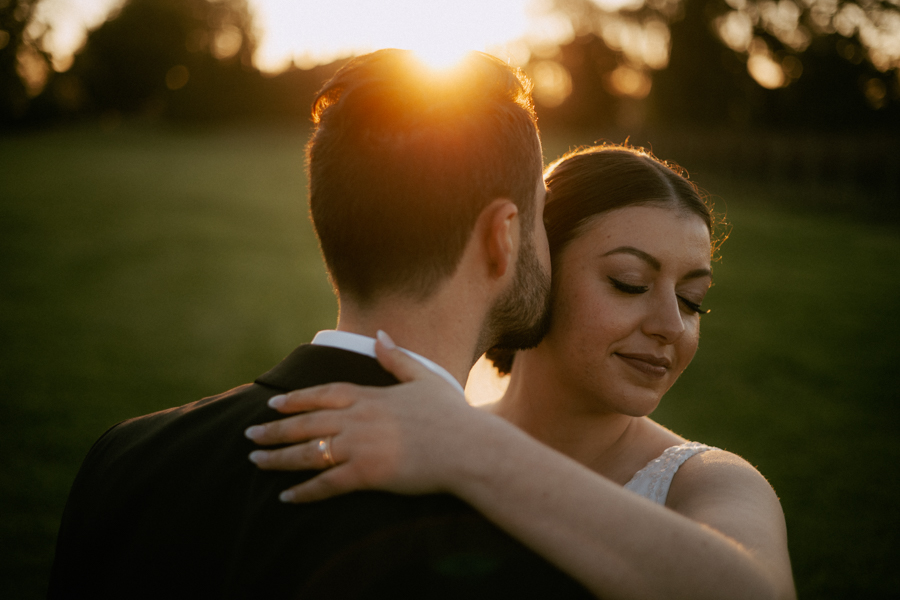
(665,320)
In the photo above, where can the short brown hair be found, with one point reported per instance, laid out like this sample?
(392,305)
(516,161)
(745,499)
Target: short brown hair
(404,159)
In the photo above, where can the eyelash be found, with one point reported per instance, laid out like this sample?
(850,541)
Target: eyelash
(640,289)
(693,307)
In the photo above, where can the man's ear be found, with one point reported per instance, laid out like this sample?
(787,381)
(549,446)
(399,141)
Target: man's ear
(501,236)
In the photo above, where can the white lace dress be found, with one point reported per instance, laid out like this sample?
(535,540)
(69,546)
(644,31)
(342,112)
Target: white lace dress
(653,481)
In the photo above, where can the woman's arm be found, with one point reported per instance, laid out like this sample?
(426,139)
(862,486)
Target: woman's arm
(728,542)
(725,537)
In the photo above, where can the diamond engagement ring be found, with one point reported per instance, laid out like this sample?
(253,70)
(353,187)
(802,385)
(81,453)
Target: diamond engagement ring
(324,448)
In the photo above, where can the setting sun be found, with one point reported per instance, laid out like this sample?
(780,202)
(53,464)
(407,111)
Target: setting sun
(439,32)
(439,57)
(308,32)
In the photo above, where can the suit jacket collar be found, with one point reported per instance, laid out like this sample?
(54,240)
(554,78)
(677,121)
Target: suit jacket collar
(364,344)
(310,365)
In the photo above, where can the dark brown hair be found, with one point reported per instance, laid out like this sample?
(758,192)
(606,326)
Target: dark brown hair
(594,180)
(404,159)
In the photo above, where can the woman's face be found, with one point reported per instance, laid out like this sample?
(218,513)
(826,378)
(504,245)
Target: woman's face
(626,318)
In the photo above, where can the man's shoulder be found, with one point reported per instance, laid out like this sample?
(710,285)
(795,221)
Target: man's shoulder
(209,431)
(236,404)
(306,366)
(235,400)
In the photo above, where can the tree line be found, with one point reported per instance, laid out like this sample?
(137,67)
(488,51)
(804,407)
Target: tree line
(191,60)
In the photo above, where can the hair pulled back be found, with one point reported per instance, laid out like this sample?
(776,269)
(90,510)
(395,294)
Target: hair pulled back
(591,181)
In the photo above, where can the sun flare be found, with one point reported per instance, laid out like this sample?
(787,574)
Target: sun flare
(440,32)
(440,58)
(311,32)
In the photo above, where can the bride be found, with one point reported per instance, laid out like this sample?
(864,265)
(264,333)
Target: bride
(568,461)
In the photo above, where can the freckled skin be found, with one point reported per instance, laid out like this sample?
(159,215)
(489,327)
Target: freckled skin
(597,327)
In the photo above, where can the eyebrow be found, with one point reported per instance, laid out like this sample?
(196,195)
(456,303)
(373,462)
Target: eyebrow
(654,263)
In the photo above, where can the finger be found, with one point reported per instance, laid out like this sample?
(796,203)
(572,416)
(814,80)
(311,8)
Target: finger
(332,482)
(299,457)
(329,395)
(297,428)
(397,362)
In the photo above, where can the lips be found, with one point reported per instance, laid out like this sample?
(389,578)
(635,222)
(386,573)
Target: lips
(649,364)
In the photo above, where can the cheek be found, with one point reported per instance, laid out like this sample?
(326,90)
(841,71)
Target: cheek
(687,345)
(570,315)
(588,320)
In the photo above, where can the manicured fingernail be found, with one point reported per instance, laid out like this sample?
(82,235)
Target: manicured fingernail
(286,496)
(277,401)
(256,456)
(254,432)
(385,340)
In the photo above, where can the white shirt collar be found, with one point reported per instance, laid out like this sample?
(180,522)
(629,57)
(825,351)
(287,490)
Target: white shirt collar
(362,344)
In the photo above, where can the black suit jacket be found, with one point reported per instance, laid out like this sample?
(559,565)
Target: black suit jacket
(168,505)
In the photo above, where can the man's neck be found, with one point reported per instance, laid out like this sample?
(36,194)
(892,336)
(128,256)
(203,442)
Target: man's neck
(443,328)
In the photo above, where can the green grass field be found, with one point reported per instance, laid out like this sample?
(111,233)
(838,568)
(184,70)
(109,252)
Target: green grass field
(144,268)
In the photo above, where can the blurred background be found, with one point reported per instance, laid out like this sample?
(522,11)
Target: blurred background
(155,246)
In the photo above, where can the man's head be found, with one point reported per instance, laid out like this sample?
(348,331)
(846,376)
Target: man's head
(404,160)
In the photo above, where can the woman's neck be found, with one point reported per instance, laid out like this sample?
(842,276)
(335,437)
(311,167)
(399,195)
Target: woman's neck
(569,420)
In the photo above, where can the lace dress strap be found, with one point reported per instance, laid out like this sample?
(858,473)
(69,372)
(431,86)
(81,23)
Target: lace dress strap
(653,481)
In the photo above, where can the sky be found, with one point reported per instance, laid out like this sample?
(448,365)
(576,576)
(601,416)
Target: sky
(308,32)
(313,31)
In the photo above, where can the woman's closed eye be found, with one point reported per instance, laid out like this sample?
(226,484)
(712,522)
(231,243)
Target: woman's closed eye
(692,306)
(628,288)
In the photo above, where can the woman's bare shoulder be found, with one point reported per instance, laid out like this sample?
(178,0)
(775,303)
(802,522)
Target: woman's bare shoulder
(723,490)
(716,475)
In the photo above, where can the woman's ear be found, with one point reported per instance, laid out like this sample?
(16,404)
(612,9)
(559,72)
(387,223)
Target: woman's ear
(501,236)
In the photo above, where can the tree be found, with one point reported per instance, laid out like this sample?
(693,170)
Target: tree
(20,54)
(821,63)
(158,56)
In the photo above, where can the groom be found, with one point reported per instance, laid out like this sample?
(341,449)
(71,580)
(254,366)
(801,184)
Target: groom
(427,198)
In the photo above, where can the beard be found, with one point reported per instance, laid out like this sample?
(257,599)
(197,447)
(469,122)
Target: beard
(521,316)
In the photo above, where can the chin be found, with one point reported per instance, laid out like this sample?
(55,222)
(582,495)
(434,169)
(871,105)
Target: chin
(639,405)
